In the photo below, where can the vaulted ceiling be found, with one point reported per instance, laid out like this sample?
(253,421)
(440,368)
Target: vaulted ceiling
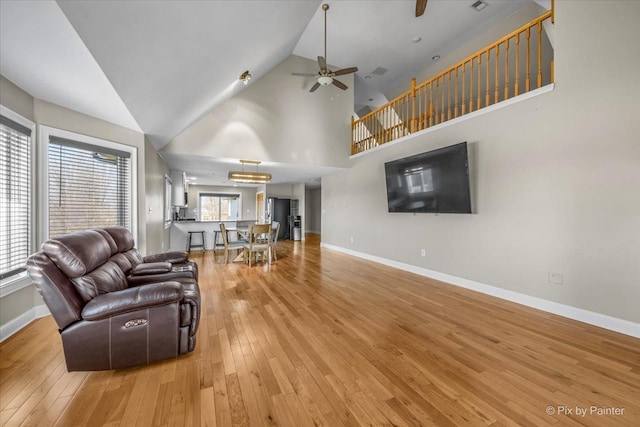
(157,66)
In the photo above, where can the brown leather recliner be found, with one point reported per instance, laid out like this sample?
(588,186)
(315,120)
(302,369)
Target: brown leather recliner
(106,321)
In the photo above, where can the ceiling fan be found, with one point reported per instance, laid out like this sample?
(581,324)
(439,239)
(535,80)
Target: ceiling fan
(421,5)
(326,76)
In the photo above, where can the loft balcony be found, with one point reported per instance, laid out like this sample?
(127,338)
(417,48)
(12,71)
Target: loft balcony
(513,65)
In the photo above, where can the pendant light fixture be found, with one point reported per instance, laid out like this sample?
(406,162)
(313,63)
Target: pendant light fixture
(249,177)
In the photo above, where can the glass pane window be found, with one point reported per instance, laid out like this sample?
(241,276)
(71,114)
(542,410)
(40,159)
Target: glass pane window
(219,207)
(89,187)
(15,197)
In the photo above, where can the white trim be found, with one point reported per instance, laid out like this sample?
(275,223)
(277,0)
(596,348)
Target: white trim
(601,320)
(43,181)
(14,325)
(468,116)
(15,283)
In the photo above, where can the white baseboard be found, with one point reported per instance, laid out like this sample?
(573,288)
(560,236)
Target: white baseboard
(14,325)
(601,320)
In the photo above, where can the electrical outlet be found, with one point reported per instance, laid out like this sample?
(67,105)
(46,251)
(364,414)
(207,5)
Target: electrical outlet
(555,278)
(423,252)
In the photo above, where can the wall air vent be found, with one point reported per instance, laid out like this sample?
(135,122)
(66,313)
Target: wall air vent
(479,5)
(379,71)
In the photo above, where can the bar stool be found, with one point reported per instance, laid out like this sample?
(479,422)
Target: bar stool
(190,245)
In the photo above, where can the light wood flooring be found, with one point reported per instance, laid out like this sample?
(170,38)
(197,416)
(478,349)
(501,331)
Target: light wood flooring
(323,339)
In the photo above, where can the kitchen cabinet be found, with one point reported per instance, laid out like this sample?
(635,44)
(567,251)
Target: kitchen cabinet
(180,188)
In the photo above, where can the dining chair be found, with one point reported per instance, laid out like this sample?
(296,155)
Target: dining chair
(229,245)
(259,241)
(275,230)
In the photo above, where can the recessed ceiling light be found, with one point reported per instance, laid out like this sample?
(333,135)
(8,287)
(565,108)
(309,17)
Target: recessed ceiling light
(435,58)
(367,77)
(370,99)
(479,5)
(416,40)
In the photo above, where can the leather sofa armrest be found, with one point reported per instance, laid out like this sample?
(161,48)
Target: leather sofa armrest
(172,257)
(131,299)
(151,268)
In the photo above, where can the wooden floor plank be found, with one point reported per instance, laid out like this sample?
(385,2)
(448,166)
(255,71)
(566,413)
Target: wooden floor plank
(323,339)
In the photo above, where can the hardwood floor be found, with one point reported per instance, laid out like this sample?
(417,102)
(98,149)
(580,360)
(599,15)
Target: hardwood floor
(321,338)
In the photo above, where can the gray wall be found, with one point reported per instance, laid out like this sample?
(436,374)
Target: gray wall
(555,179)
(157,236)
(313,202)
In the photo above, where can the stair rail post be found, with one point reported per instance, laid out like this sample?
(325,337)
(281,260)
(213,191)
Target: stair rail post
(413,105)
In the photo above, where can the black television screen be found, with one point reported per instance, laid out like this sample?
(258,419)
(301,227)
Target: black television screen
(436,181)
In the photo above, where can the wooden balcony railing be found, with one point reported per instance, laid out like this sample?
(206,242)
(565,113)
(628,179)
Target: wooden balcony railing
(502,70)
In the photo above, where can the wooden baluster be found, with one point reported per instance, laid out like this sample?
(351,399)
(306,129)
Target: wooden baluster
(506,70)
(487,98)
(442,107)
(413,105)
(516,86)
(527,80)
(464,99)
(449,96)
(471,75)
(431,104)
(497,83)
(539,53)
(455,95)
(479,71)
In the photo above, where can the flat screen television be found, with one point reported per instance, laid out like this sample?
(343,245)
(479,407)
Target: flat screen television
(434,182)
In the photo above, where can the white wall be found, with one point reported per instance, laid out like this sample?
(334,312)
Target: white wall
(276,119)
(157,236)
(555,177)
(283,191)
(313,203)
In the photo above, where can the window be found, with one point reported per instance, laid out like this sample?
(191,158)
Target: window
(218,207)
(167,201)
(16,228)
(90,183)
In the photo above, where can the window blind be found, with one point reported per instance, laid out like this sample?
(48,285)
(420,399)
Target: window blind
(89,186)
(15,197)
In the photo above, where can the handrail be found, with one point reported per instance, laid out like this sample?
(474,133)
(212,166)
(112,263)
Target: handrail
(459,89)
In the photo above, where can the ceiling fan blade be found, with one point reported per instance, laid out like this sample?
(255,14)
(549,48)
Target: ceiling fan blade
(304,74)
(421,5)
(315,86)
(345,71)
(339,84)
(322,63)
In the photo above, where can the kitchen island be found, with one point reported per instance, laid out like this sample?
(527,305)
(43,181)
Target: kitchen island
(180,228)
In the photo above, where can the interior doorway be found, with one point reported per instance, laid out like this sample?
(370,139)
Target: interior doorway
(260,209)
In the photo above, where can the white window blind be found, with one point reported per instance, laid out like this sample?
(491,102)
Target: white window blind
(15,197)
(89,186)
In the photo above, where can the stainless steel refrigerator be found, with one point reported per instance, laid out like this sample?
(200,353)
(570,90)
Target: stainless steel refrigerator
(280,210)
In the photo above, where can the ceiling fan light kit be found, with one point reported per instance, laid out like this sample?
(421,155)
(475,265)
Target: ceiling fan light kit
(247,177)
(325,76)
